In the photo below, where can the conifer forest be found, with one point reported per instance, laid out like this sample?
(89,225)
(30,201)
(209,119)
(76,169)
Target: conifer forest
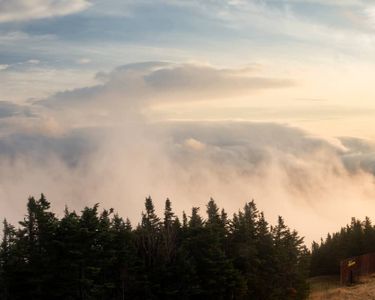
(96,254)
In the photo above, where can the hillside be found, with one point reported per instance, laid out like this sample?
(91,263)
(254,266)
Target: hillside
(328,288)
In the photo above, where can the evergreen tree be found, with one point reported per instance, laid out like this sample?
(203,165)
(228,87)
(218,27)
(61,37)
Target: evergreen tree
(354,239)
(243,246)
(97,255)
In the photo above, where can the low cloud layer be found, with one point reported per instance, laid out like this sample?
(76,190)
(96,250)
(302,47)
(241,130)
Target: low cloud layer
(23,10)
(98,144)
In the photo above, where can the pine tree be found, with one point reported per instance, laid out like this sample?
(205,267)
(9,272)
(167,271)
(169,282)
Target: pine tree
(98,255)
(7,264)
(244,249)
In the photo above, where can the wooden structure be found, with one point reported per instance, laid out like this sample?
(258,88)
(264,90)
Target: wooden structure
(352,269)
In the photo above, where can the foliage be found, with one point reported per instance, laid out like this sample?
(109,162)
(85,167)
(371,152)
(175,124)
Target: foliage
(98,255)
(355,239)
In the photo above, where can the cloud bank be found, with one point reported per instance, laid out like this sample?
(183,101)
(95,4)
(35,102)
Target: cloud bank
(99,144)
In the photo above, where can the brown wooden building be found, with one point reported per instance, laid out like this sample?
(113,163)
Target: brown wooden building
(352,269)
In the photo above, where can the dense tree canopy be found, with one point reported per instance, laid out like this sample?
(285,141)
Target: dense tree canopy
(98,255)
(355,239)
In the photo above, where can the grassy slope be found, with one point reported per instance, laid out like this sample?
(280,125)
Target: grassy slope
(328,287)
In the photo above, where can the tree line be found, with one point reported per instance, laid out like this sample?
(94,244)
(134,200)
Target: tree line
(96,254)
(354,239)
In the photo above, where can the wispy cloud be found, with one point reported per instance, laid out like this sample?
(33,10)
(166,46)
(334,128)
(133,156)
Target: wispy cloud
(24,10)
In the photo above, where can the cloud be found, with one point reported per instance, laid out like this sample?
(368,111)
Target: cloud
(360,154)
(368,16)
(10,109)
(97,144)
(287,171)
(141,84)
(24,10)
(33,61)
(83,61)
(3,67)
(206,79)
(40,148)
(23,80)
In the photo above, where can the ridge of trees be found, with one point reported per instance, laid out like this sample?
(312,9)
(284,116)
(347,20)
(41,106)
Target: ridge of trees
(98,255)
(354,239)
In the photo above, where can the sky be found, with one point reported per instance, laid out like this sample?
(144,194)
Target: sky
(110,101)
